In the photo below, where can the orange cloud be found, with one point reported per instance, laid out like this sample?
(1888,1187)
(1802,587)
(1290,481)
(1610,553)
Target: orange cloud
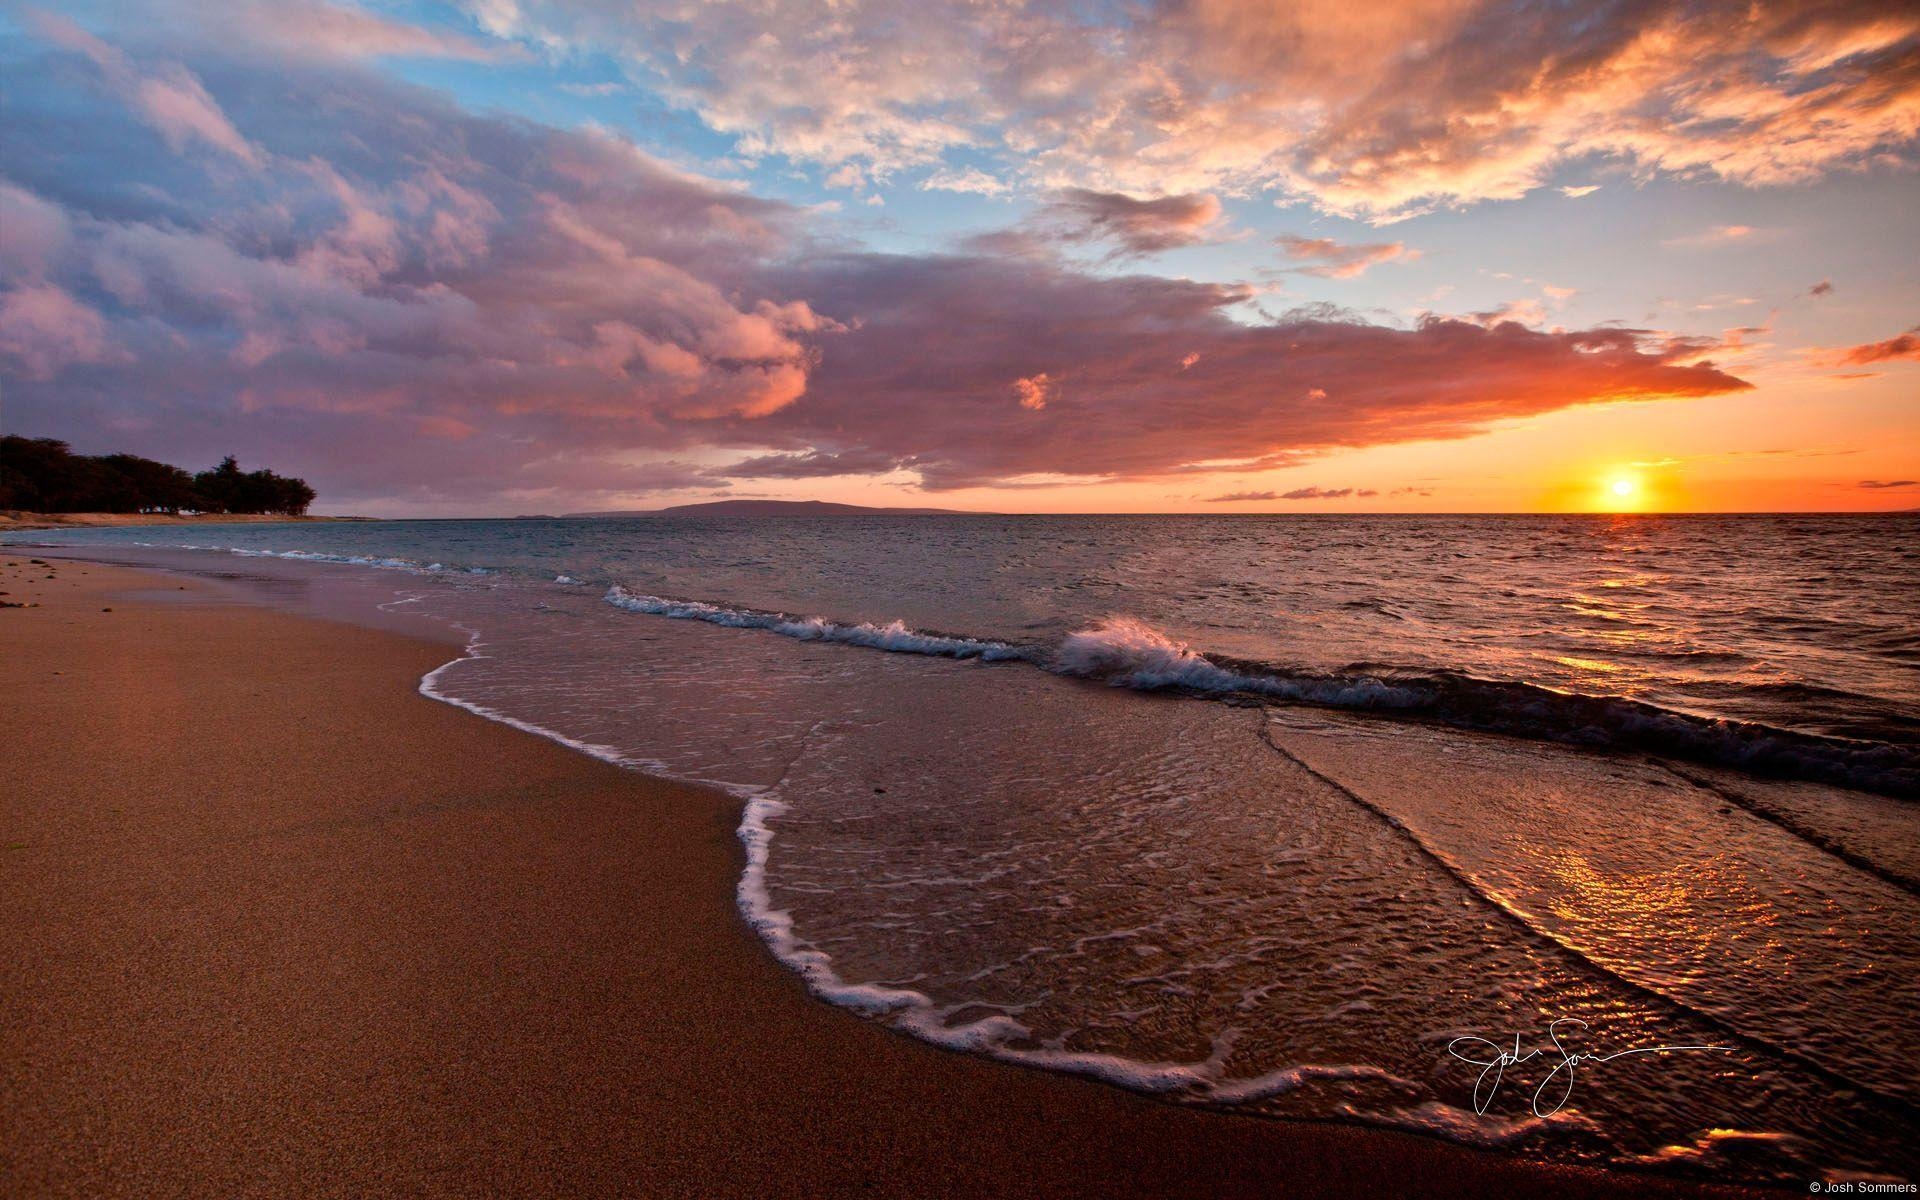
(1332,260)
(1034,391)
(1906,345)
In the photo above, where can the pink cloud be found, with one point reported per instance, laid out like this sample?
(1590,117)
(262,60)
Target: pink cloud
(1382,112)
(1721,235)
(43,330)
(313,27)
(170,98)
(1333,260)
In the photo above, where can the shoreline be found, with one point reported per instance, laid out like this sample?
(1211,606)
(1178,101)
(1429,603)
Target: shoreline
(15,520)
(334,935)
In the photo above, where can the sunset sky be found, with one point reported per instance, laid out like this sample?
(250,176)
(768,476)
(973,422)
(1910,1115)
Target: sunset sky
(514,256)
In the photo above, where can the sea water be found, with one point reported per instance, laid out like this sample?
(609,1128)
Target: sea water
(1307,816)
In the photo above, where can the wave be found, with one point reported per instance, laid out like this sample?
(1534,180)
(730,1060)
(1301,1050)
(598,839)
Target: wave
(1128,652)
(353,560)
(894,636)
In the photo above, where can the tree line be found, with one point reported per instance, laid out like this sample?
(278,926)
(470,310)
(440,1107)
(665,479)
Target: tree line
(45,475)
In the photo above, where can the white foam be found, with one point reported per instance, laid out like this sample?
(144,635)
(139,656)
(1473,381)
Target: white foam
(1128,652)
(430,688)
(381,562)
(894,636)
(995,1035)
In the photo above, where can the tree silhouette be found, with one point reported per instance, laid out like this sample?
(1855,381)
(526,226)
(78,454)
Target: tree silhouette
(44,475)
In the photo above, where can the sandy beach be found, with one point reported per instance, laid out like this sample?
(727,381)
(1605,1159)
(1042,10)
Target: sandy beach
(275,924)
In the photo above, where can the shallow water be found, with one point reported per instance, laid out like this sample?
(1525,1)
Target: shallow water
(1372,785)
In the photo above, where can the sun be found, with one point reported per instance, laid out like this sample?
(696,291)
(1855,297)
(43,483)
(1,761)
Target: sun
(1622,493)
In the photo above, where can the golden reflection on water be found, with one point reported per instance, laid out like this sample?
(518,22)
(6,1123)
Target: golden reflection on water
(1681,921)
(1591,665)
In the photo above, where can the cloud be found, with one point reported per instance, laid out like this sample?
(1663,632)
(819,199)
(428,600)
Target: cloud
(1823,288)
(922,372)
(1034,391)
(1305,493)
(1719,235)
(968,181)
(1906,345)
(420,306)
(1332,260)
(43,330)
(1132,226)
(313,27)
(812,464)
(300,29)
(1575,193)
(1404,109)
(1895,484)
(169,97)
(1526,311)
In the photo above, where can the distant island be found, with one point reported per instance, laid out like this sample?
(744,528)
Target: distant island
(778,508)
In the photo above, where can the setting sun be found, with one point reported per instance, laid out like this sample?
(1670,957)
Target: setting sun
(1622,493)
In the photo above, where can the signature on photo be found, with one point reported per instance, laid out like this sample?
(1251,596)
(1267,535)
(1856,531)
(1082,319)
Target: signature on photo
(1557,1088)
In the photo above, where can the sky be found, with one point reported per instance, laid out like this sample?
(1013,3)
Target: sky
(497,257)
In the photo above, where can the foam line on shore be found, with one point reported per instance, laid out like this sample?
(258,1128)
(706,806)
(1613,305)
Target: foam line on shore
(893,637)
(430,688)
(995,1036)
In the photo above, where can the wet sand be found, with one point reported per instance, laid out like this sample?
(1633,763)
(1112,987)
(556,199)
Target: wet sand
(273,923)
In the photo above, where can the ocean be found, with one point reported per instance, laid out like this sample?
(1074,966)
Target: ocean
(1307,816)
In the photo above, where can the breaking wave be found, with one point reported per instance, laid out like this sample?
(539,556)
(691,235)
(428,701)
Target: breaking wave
(1128,652)
(894,636)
